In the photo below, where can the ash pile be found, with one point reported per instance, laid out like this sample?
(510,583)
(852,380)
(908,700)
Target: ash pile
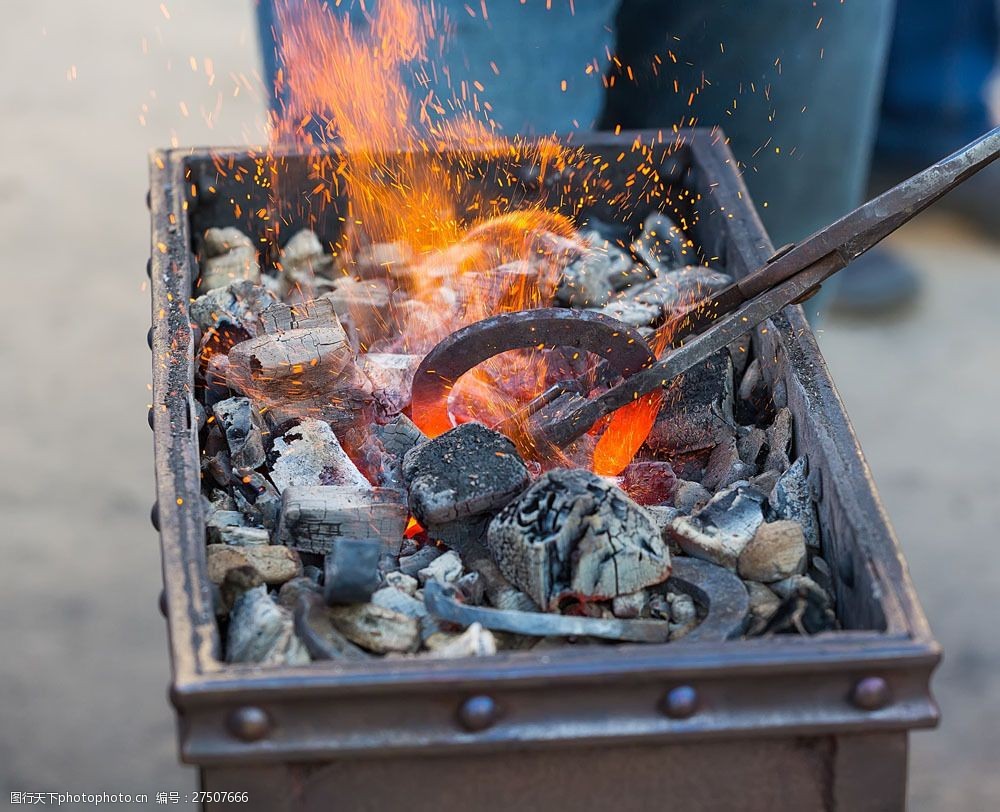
(337,530)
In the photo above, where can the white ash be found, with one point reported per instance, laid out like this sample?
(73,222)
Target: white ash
(310,454)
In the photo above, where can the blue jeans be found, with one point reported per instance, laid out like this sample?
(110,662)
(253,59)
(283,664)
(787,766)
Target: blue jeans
(941,59)
(807,92)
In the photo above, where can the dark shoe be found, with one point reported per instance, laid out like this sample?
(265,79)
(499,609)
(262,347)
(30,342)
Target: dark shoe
(876,283)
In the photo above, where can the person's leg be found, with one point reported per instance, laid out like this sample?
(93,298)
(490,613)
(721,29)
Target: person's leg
(537,64)
(935,89)
(795,85)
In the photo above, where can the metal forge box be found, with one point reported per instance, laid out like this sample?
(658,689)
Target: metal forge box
(779,722)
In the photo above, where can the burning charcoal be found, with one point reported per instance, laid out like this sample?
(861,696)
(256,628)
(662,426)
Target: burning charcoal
(228,255)
(679,289)
(690,496)
(392,378)
(239,303)
(260,631)
(649,482)
(763,604)
(312,314)
(397,437)
(779,442)
(589,280)
(308,370)
(257,497)
(776,551)
(725,466)
(319,635)
(351,571)
(242,425)
(805,608)
(383,259)
(475,641)
(792,499)
(631,312)
(363,308)
(275,563)
(662,245)
(309,455)
(403,582)
(412,564)
(573,534)
(720,530)
(683,614)
(697,412)
(635,604)
(465,472)
(376,628)
(446,568)
(739,351)
(301,259)
(472,585)
(314,519)
(243,536)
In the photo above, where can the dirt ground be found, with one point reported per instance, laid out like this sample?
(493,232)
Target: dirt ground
(84,670)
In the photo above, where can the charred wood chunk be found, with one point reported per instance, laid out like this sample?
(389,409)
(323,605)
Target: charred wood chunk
(240,303)
(256,497)
(228,255)
(352,573)
(301,260)
(391,375)
(573,535)
(315,313)
(805,608)
(724,466)
(383,259)
(649,482)
(721,530)
(590,280)
(776,551)
(275,563)
(309,455)
(662,245)
(465,472)
(397,437)
(792,499)
(321,637)
(260,631)
(678,289)
(241,423)
(697,411)
(310,370)
(376,628)
(363,308)
(779,442)
(314,519)
(475,641)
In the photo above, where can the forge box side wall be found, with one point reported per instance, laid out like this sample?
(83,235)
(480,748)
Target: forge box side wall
(779,686)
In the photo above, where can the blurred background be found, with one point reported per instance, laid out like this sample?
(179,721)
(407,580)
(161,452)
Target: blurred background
(88,88)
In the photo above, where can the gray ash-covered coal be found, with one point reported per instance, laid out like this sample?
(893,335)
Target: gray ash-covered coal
(337,529)
(573,536)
